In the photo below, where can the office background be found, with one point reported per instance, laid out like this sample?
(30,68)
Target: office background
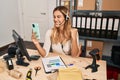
(12,16)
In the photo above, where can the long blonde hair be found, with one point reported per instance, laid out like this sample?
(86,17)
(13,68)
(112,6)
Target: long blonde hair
(67,26)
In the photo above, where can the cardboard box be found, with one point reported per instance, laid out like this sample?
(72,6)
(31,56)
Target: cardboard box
(91,44)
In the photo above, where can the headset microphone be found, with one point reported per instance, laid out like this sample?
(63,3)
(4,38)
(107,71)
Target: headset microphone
(61,23)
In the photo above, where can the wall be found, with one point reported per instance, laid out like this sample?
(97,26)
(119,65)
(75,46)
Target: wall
(8,20)
(11,18)
(51,6)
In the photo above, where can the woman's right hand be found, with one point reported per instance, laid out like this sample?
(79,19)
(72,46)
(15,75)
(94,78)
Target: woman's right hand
(37,44)
(34,39)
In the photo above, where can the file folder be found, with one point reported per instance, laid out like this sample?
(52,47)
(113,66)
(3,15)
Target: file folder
(116,28)
(109,31)
(78,22)
(83,26)
(74,21)
(104,23)
(98,25)
(93,27)
(88,26)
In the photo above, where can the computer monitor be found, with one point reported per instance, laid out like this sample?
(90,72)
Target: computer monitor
(21,49)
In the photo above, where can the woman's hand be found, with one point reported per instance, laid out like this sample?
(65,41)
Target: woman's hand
(34,39)
(37,44)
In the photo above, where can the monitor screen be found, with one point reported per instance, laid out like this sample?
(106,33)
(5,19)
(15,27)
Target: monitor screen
(20,44)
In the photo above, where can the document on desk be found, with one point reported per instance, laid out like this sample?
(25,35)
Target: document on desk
(52,63)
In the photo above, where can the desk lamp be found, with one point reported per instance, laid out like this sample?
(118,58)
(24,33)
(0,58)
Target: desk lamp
(95,55)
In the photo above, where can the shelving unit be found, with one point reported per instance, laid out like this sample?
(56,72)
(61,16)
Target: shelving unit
(99,20)
(88,15)
(97,15)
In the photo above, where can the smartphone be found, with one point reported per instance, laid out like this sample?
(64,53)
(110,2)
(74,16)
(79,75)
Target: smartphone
(35,28)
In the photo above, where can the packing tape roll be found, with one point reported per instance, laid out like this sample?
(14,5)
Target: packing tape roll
(14,73)
(2,66)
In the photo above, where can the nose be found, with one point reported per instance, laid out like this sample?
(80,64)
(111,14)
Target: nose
(55,19)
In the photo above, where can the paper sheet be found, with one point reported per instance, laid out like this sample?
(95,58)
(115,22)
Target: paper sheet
(52,63)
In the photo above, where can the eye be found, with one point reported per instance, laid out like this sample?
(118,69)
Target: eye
(53,16)
(58,16)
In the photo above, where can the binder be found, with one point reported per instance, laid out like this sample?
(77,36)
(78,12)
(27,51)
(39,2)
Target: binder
(85,30)
(78,22)
(104,23)
(101,27)
(79,25)
(116,28)
(98,27)
(109,31)
(83,26)
(74,21)
(88,26)
(93,27)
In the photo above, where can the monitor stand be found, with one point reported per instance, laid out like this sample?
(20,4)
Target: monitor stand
(20,59)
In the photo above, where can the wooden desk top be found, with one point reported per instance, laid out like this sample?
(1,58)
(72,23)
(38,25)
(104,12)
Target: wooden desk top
(79,62)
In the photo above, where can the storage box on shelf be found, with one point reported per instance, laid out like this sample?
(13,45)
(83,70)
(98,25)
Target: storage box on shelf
(92,44)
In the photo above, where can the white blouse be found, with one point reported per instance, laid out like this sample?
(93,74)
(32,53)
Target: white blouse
(63,49)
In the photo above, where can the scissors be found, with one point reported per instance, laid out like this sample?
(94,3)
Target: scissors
(37,68)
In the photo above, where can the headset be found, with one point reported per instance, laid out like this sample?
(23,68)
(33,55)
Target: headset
(67,16)
(61,23)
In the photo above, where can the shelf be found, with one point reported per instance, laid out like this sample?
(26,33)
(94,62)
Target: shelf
(100,39)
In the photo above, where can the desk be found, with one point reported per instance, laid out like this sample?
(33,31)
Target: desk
(80,62)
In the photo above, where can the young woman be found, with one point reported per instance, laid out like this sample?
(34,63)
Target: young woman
(62,38)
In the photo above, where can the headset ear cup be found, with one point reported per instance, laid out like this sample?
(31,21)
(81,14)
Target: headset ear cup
(67,17)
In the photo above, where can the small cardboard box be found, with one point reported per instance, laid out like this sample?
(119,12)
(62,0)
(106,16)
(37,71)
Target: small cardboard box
(91,44)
